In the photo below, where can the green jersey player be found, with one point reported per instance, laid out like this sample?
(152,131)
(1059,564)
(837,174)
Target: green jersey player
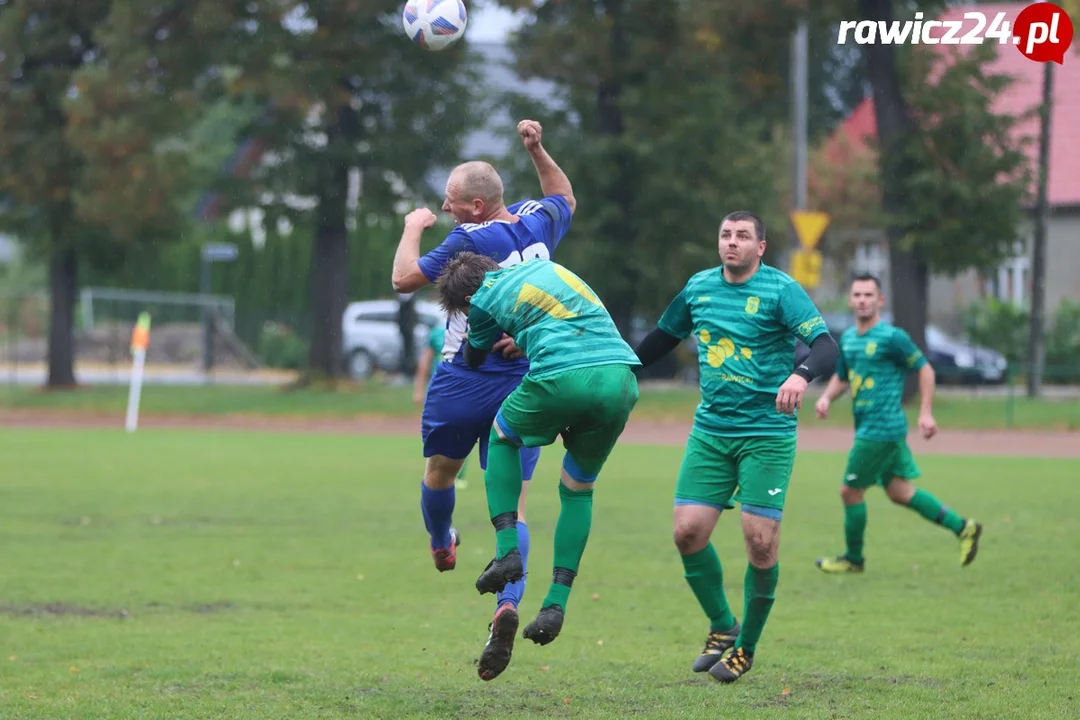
(875,358)
(745,317)
(580,386)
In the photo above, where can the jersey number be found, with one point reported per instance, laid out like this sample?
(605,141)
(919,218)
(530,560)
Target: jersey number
(537,298)
(536,250)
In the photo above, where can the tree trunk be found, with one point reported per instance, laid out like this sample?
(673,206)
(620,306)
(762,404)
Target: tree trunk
(908,273)
(1036,351)
(618,231)
(407,319)
(330,254)
(62,288)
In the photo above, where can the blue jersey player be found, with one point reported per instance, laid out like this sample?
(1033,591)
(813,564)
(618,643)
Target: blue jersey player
(462,402)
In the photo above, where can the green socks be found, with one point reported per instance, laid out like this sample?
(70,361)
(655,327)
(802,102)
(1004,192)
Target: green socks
(931,508)
(854,531)
(759,592)
(502,480)
(706,578)
(571,535)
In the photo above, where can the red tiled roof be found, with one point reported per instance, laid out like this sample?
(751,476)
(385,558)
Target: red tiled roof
(1063,186)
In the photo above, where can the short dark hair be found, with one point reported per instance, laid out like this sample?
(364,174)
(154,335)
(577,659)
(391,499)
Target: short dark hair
(463,276)
(867,276)
(741,215)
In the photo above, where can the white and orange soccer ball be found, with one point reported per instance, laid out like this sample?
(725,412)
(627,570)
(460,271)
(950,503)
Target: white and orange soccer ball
(434,24)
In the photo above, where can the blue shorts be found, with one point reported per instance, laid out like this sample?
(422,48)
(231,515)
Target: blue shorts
(459,411)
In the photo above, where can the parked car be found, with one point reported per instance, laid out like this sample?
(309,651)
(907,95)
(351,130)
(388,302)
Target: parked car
(371,337)
(956,362)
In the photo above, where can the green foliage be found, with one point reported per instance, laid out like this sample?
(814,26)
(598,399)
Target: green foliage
(1063,344)
(656,135)
(999,326)
(280,347)
(342,88)
(969,178)
(1004,327)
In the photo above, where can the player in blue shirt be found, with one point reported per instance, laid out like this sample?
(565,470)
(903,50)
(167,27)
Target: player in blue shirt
(462,402)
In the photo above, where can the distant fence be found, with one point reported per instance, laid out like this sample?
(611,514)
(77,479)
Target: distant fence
(186,328)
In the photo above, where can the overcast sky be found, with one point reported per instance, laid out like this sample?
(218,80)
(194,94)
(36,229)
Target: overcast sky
(490,23)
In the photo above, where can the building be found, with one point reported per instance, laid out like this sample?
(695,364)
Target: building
(1012,282)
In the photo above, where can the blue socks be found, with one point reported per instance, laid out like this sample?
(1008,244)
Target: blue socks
(438,509)
(514,591)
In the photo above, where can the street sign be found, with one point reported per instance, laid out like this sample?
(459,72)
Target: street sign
(219,252)
(809,227)
(806,268)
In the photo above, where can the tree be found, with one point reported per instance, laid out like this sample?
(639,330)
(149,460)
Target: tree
(347,98)
(952,175)
(651,131)
(84,177)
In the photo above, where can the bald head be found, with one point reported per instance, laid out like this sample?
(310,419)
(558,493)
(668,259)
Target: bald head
(476,180)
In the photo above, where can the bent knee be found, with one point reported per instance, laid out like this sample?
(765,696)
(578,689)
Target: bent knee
(441,472)
(900,491)
(851,496)
(690,538)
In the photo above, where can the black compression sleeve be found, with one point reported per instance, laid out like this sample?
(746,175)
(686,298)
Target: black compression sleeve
(656,345)
(822,358)
(474,357)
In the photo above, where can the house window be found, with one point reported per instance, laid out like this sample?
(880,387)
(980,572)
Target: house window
(1011,283)
(871,258)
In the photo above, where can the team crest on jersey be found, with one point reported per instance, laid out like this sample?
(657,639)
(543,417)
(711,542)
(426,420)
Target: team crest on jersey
(871,348)
(752,304)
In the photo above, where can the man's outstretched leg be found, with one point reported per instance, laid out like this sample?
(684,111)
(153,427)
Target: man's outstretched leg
(505,574)
(514,591)
(854,500)
(764,471)
(571,536)
(707,480)
(449,427)
(503,628)
(905,494)
(437,499)
(761,531)
(502,481)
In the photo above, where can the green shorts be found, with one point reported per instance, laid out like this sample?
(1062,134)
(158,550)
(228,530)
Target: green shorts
(713,468)
(877,462)
(587,407)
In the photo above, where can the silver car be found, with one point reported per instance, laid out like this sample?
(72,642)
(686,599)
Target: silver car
(371,338)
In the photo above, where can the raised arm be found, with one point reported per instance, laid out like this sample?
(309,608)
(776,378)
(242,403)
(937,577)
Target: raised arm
(553,180)
(407,276)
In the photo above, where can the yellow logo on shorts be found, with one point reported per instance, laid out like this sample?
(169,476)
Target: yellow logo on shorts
(752,304)
(871,348)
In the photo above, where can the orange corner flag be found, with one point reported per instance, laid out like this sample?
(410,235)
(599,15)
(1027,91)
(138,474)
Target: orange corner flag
(140,336)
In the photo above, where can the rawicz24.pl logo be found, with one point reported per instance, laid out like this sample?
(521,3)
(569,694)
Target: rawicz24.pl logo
(1042,31)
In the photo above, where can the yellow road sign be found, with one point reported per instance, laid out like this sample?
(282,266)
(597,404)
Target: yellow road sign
(806,268)
(809,226)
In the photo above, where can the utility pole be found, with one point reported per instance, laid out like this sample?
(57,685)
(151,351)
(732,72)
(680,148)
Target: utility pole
(800,49)
(1036,338)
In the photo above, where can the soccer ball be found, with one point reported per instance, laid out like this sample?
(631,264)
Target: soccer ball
(434,24)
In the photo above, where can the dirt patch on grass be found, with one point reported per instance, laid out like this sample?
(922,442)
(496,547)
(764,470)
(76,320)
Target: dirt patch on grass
(1021,443)
(60,609)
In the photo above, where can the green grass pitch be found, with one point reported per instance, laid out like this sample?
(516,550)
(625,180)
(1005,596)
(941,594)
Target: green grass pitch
(245,575)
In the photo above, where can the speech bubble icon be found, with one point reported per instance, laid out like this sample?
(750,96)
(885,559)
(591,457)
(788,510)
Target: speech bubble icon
(1043,32)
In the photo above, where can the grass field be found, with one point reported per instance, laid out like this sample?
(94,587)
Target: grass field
(244,575)
(956,412)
